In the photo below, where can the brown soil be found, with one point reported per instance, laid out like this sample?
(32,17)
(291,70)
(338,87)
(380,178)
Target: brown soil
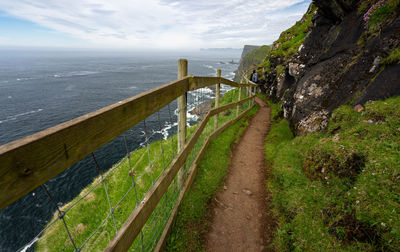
(241,221)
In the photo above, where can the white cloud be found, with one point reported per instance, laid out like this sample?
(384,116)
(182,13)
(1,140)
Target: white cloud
(168,24)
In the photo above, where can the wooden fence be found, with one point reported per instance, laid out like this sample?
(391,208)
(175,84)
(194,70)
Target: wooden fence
(27,163)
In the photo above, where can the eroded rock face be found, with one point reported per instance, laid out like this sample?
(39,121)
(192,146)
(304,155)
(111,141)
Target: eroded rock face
(336,10)
(335,65)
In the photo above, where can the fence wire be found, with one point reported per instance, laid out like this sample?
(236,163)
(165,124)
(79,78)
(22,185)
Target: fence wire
(109,200)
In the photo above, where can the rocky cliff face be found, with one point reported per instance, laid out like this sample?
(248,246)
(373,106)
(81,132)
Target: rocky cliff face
(340,61)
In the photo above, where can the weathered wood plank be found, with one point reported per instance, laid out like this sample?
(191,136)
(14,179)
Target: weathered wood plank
(228,106)
(234,84)
(182,102)
(33,160)
(203,81)
(238,106)
(217,95)
(197,82)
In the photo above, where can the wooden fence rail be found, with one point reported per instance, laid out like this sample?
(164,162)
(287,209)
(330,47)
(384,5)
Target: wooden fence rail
(29,162)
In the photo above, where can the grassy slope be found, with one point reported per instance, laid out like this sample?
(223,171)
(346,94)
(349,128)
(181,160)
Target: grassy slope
(338,190)
(193,216)
(258,54)
(87,215)
(289,41)
(253,58)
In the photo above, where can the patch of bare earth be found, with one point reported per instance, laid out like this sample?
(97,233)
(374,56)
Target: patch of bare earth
(241,221)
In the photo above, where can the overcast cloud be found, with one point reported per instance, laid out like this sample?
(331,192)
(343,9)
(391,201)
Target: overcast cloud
(163,24)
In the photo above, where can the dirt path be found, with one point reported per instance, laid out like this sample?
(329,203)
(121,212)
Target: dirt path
(241,221)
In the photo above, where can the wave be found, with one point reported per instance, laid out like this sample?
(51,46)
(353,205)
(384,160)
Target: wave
(24,78)
(74,73)
(15,117)
(210,67)
(230,75)
(24,249)
(164,131)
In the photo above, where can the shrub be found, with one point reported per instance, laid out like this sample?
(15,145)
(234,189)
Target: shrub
(378,13)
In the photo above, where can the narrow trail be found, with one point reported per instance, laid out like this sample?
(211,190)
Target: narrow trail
(241,221)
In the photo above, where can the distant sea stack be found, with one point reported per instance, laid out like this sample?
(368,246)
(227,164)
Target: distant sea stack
(333,56)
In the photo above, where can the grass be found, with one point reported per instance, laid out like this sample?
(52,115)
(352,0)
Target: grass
(290,40)
(393,58)
(254,58)
(338,190)
(88,214)
(288,43)
(259,54)
(378,16)
(193,216)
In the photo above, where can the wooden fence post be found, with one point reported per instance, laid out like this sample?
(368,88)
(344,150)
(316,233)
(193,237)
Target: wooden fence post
(182,101)
(249,94)
(217,94)
(239,98)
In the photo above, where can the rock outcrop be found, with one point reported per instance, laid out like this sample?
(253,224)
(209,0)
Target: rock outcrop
(339,62)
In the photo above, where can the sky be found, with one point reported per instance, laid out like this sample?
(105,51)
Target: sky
(146,24)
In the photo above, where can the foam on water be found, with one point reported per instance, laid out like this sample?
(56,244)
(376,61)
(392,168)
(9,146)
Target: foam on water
(15,117)
(74,73)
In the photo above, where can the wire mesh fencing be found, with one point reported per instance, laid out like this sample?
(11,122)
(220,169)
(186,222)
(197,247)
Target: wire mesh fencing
(89,221)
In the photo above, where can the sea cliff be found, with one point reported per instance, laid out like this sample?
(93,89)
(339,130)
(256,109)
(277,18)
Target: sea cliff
(340,52)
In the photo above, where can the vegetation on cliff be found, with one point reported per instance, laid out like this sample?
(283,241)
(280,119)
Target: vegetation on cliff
(338,190)
(376,13)
(249,61)
(289,42)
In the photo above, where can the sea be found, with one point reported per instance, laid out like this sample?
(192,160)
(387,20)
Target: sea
(42,88)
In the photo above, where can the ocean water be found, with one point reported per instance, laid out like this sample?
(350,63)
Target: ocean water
(40,89)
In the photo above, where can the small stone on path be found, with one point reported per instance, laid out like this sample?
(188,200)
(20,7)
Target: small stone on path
(248,192)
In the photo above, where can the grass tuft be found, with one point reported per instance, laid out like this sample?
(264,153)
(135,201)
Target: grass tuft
(338,190)
(393,58)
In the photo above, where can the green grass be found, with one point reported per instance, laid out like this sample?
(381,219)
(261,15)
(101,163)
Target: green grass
(276,110)
(280,69)
(378,17)
(87,215)
(259,54)
(393,58)
(338,190)
(254,58)
(193,215)
(290,40)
